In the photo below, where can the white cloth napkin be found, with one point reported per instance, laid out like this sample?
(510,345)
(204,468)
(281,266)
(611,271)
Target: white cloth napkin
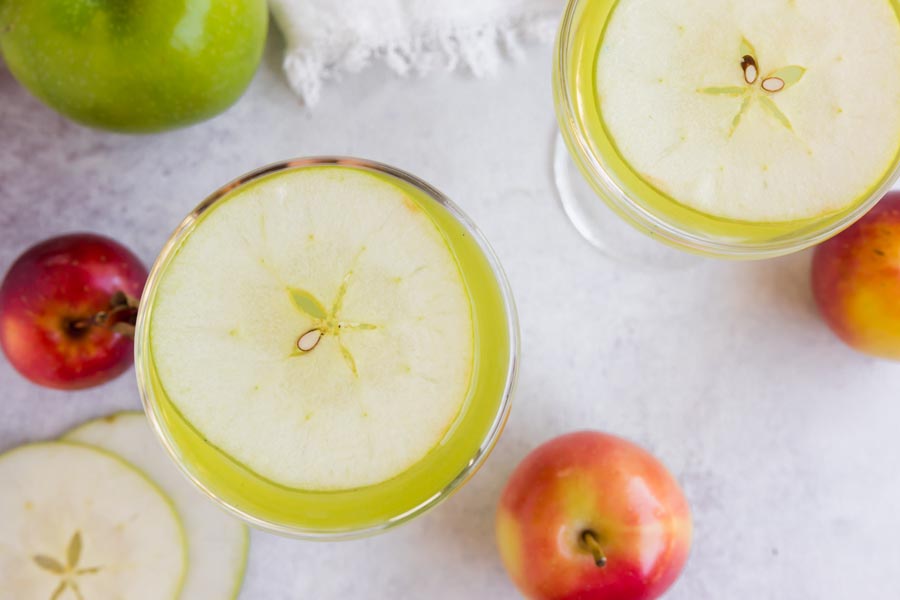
(326,38)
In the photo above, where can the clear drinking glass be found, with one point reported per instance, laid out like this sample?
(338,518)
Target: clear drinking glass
(343,514)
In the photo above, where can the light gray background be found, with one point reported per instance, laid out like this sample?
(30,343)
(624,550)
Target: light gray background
(786,442)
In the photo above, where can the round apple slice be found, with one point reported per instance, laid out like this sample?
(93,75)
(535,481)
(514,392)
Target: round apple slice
(754,110)
(216,542)
(78,522)
(315,328)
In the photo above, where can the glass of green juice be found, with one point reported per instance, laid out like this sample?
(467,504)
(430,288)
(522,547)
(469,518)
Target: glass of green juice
(327,347)
(730,128)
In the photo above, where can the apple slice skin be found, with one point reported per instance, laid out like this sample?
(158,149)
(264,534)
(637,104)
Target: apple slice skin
(212,535)
(597,482)
(856,281)
(91,513)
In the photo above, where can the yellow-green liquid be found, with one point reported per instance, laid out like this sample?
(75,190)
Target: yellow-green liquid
(363,508)
(582,47)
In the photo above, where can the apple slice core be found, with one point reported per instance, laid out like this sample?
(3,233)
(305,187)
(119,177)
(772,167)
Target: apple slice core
(77,522)
(314,327)
(754,110)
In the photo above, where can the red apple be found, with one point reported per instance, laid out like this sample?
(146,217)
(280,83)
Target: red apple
(856,281)
(63,305)
(589,516)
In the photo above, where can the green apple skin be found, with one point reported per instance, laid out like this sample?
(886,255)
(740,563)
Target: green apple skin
(135,66)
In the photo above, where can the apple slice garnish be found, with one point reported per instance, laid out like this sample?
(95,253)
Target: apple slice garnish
(784,118)
(314,327)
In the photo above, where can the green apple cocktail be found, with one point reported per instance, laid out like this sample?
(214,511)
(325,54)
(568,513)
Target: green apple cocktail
(327,347)
(740,128)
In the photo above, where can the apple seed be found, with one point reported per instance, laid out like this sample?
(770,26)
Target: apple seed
(309,340)
(751,70)
(773,84)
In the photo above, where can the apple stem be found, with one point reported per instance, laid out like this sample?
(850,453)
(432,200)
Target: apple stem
(120,318)
(590,540)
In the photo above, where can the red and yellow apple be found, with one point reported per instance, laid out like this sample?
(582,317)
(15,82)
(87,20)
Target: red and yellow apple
(856,281)
(590,516)
(61,307)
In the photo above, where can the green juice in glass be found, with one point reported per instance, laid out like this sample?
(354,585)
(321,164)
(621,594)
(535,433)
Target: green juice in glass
(736,126)
(327,347)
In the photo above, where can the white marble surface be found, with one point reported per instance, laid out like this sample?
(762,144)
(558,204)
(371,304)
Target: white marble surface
(785,441)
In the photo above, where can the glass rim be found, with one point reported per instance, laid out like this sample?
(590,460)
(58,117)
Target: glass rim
(591,166)
(486,445)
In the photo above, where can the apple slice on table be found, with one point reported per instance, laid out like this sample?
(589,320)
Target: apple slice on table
(78,522)
(315,328)
(216,542)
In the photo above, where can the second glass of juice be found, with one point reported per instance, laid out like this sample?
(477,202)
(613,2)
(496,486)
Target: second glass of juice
(327,347)
(731,128)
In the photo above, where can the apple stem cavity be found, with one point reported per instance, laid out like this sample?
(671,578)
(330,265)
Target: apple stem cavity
(590,541)
(121,318)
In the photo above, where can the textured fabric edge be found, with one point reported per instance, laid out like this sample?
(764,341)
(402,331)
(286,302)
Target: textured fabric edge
(479,50)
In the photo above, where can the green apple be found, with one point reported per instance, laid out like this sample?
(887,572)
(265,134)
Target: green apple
(134,66)
(77,522)
(216,542)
